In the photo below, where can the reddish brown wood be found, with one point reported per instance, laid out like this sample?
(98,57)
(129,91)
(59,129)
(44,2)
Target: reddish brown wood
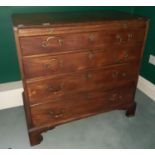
(77,67)
(61,85)
(57,112)
(37,66)
(35,134)
(63,42)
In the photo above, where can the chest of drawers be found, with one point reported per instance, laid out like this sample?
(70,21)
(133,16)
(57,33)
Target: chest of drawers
(77,64)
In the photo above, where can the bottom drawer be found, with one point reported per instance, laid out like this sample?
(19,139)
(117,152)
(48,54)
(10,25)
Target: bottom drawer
(58,112)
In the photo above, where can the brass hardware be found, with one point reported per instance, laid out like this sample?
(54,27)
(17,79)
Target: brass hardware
(88,75)
(61,64)
(126,55)
(115,75)
(52,62)
(53,59)
(60,42)
(48,65)
(113,97)
(51,31)
(56,114)
(91,37)
(46,42)
(118,37)
(120,40)
(90,55)
(124,74)
(56,89)
(49,38)
(130,35)
(59,114)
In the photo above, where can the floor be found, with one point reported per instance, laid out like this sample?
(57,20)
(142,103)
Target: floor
(109,130)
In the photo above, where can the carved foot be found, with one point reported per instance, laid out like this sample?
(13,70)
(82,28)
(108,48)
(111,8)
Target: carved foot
(131,111)
(35,135)
(35,138)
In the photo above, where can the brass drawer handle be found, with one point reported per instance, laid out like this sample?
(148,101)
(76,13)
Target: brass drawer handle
(88,75)
(52,89)
(60,42)
(115,75)
(56,114)
(53,61)
(50,31)
(126,55)
(116,97)
(46,42)
(91,37)
(130,36)
(61,114)
(119,38)
(113,97)
(90,55)
(124,74)
(55,90)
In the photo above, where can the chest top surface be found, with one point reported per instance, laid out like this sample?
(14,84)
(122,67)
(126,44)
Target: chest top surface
(61,18)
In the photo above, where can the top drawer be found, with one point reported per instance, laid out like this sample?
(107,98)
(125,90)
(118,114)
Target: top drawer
(65,42)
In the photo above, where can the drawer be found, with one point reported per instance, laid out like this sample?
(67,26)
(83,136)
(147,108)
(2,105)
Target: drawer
(64,42)
(58,86)
(77,107)
(76,61)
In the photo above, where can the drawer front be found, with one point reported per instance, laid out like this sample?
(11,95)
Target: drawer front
(61,85)
(74,108)
(48,65)
(63,42)
(72,62)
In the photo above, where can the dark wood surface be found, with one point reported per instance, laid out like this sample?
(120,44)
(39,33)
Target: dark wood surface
(60,85)
(77,64)
(67,42)
(44,65)
(53,18)
(53,113)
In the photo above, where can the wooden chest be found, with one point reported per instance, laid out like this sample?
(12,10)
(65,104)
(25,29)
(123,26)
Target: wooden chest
(77,64)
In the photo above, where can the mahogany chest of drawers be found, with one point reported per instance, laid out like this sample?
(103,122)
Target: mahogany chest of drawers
(77,64)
